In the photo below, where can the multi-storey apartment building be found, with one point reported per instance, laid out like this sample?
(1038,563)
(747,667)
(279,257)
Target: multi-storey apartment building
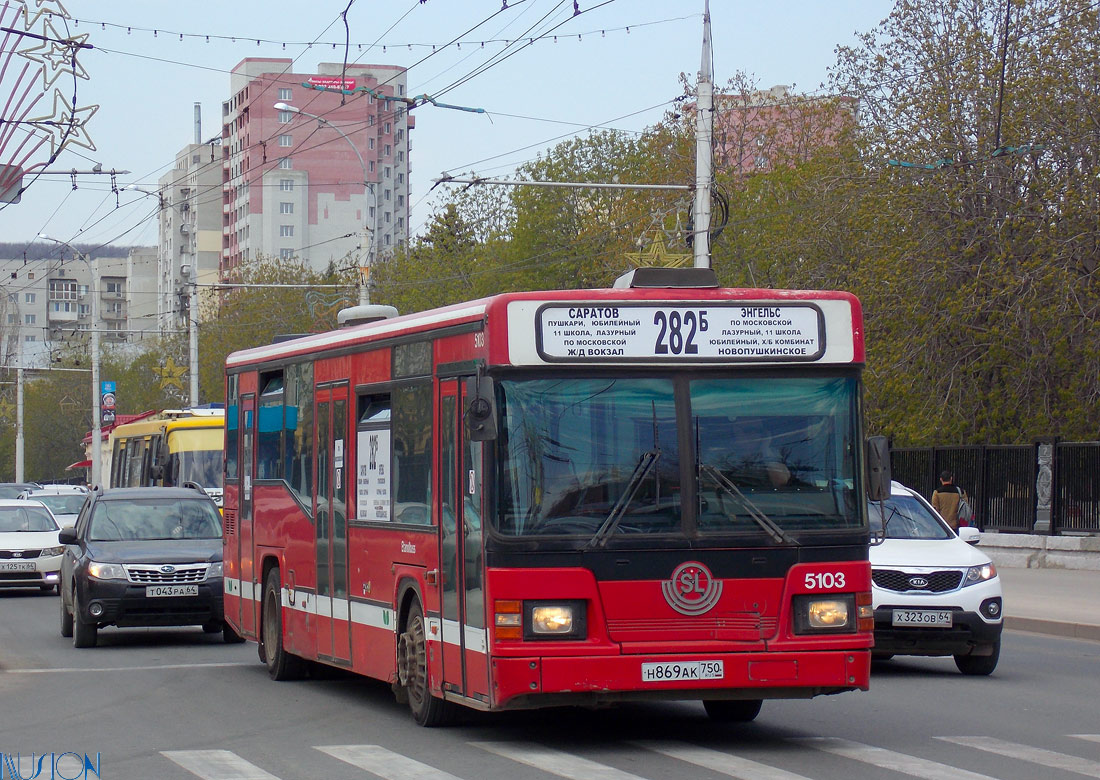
(294,186)
(47,303)
(190,228)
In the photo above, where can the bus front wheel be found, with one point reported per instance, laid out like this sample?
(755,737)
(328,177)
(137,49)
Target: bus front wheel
(733,711)
(281,665)
(412,670)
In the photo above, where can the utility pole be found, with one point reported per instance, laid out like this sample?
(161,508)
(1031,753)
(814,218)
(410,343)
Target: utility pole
(19,417)
(704,159)
(192,331)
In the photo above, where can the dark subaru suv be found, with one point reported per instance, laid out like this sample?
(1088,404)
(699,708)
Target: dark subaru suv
(142,557)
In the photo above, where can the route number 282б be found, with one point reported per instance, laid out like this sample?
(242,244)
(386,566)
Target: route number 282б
(678,330)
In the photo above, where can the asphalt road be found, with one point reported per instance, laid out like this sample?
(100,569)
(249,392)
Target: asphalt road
(180,704)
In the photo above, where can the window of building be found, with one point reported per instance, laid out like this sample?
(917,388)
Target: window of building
(387,241)
(400,178)
(28,298)
(370,121)
(400,200)
(370,143)
(286,254)
(401,222)
(387,217)
(372,212)
(286,140)
(386,128)
(286,231)
(284,117)
(286,184)
(387,172)
(285,163)
(386,151)
(285,93)
(286,208)
(386,195)
(401,156)
(11,319)
(29,319)
(29,338)
(371,164)
(400,135)
(114,287)
(400,89)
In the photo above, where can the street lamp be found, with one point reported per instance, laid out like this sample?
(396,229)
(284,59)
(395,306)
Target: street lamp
(97,432)
(368,194)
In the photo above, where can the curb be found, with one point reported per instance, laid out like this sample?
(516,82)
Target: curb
(1054,628)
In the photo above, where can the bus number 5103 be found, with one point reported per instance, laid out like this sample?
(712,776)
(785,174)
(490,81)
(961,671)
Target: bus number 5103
(825,581)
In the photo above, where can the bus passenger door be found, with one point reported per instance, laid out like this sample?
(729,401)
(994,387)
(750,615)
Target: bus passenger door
(246,548)
(465,652)
(330,511)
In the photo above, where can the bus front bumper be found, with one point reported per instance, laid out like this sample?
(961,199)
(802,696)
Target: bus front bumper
(520,683)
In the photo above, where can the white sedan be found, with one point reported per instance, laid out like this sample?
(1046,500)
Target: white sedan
(30,555)
(933,592)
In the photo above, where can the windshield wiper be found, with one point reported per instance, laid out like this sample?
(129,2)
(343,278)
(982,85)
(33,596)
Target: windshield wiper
(761,519)
(641,470)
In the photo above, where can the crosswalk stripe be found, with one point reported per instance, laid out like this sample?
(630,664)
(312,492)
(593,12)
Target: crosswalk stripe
(217,765)
(555,762)
(717,761)
(1048,758)
(1089,737)
(385,763)
(889,759)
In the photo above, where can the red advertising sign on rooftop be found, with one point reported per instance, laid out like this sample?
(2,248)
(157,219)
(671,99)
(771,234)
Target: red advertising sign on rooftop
(332,82)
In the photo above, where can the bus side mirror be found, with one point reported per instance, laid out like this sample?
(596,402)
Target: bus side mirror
(481,409)
(157,472)
(878,468)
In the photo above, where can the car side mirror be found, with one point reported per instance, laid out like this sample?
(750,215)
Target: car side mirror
(877,462)
(67,536)
(970,535)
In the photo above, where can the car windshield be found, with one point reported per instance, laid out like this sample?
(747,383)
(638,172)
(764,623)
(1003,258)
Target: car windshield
(197,456)
(600,457)
(143,519)
(62,504)
(907,517)
(13,490)
(25,518)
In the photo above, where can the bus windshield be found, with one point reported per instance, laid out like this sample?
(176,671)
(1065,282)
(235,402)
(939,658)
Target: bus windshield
(603,457)
(196,456)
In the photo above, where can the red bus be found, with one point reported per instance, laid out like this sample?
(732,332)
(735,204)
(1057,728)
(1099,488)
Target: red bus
(578,497)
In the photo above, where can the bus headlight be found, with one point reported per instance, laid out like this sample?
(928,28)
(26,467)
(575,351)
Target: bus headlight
(818,615)
(554,620)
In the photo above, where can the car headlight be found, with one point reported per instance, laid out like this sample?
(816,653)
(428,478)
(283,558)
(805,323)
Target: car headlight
(107,571)
(816,615)
(976,574)
(215,570)
(51,551)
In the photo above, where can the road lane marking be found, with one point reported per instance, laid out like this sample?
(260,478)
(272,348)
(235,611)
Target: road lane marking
(217,765)
(889,759)
(1034,755)
(63,669)
(384,763)
(554,762)
(717,761)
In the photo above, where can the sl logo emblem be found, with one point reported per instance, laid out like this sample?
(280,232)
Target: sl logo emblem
(691,590)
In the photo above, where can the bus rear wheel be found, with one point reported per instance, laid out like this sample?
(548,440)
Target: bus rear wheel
(281,665)
(412,670)
(733,711)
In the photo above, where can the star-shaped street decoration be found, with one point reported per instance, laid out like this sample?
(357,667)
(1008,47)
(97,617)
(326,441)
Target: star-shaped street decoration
(170,374)
(45,8)
(63,126)
(68,404)
(658,255)
(57,53)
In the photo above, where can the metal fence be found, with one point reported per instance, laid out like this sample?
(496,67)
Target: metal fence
(1004,483)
